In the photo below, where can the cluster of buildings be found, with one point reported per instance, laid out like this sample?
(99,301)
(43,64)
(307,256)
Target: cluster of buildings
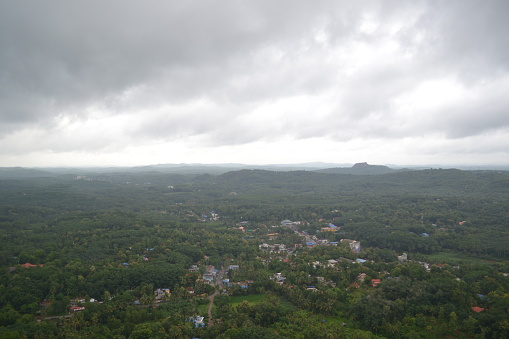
(77,304)
(212,216)
(161,294)
(290,223)
(241,284)
(362,277)
(330,228)
(210,273)
(275,248)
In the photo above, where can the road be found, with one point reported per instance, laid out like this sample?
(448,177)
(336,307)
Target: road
(219,286)
(211,305)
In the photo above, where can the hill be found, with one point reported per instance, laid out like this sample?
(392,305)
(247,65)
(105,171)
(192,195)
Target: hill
(361,168)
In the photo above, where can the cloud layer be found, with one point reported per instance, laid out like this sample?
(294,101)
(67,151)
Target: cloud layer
(287,81)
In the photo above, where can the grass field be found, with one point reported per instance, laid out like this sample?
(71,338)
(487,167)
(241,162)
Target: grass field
(252,299)
(203,309)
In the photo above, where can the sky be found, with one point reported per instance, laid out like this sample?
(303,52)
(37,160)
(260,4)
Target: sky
(127,83)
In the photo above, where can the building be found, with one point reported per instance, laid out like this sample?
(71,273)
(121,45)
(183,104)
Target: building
(162,293)
(354,245)
(403,257)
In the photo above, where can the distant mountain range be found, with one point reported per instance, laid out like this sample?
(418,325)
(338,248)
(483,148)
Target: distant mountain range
(361,168)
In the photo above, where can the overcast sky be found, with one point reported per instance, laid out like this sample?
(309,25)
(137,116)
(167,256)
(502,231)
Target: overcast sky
(100,83)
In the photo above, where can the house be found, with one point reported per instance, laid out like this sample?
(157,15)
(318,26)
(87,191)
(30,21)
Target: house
(403,257)
(214,215)
(355,285)
(28,265)
(264,246)
(233,267)
(332,262)
(361,276)
(46,303)
(354,245)
(310,244)
(162,293)
(272,236)
(193,268)
(75,309)
(279,278)
(477,309)
(243,284)
(208,277)
(425,235)
(197,321)
(210,273)
(361,261)
(312,288)
(330,228)
(375,282)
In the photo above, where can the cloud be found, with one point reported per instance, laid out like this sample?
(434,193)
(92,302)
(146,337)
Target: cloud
(109,76)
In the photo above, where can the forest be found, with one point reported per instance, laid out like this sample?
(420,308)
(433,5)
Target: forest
(153,253)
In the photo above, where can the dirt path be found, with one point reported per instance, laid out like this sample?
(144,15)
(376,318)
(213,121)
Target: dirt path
(211,305)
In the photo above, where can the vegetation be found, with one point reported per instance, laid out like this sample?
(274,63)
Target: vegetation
(84,254)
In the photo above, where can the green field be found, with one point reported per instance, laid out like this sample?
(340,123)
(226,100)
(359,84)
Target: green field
(252,299)
(203,309)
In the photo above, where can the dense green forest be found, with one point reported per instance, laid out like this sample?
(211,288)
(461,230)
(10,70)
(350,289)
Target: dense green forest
(145,253)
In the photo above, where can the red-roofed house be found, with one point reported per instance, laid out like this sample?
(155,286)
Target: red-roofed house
(27,265)
(76,309)
(375,282)
(477,309)
(356,285)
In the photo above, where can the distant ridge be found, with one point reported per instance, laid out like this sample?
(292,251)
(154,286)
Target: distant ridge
(20,172)
(361,168)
